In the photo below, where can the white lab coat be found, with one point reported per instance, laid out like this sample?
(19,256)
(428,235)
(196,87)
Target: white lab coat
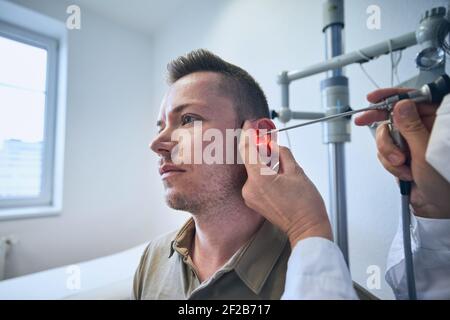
(317,270)
(438,150)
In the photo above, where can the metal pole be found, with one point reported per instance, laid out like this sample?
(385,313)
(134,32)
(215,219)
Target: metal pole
(335,100)
(338,202)
(365,54)
(307,115)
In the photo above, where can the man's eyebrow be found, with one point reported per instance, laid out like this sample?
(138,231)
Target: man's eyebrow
(181,107)
(178,109)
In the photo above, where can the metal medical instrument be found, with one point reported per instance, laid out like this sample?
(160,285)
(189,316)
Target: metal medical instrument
(431,92)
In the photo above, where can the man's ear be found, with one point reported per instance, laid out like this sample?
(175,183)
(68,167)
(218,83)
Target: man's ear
(262,126)
(264,123)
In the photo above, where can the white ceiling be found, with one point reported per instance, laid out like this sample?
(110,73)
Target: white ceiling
(140,15)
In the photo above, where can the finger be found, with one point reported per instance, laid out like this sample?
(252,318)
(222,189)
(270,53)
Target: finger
(249,153)
(369,117)
(380,94)
(387,148)
(287,161)
(410,125)
(372,116)
(274,163)
(402,172)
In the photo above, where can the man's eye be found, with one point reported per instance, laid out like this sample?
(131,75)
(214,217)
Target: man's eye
(185,119)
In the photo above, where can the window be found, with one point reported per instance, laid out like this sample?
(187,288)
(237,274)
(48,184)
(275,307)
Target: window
(30,129)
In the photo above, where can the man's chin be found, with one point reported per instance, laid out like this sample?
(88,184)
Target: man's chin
(178,201)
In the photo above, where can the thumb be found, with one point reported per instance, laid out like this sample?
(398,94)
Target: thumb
(410,125)
(288,164)
(248,150)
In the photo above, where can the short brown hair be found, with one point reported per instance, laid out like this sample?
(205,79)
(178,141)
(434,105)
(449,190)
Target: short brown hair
(250,100)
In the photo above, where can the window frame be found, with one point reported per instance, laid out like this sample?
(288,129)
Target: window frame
(51,46)
(21,24)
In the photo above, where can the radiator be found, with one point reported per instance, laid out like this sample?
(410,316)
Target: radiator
(5,245)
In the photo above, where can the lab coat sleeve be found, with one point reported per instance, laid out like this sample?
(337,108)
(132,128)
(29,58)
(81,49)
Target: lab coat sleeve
(317,270)
(430,241)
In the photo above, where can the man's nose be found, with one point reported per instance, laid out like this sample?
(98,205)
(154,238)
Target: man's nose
(162,145)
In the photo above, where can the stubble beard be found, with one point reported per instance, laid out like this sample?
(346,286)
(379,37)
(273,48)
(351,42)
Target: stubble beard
(212,193)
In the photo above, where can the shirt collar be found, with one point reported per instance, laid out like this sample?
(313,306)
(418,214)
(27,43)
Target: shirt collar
(183,239)
(253,262)
(260,256)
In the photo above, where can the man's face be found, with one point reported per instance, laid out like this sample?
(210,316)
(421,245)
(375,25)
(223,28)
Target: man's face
(196,187)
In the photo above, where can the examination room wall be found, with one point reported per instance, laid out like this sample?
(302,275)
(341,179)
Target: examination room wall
(108,196)
(265,37)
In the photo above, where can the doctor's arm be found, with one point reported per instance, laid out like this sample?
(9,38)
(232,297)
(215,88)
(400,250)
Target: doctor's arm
(288,199)
(430,198)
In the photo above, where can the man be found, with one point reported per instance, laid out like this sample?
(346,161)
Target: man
(316,267)
(226,250)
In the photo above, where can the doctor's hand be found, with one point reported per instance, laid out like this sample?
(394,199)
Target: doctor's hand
(286,198)
(430,194)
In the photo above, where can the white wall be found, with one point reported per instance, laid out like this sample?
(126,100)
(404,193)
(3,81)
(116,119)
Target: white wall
(110,201)
(265,37)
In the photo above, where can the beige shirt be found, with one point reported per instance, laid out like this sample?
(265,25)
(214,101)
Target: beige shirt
(256,271)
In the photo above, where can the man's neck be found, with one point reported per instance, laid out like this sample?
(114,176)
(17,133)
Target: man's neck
(220,233)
